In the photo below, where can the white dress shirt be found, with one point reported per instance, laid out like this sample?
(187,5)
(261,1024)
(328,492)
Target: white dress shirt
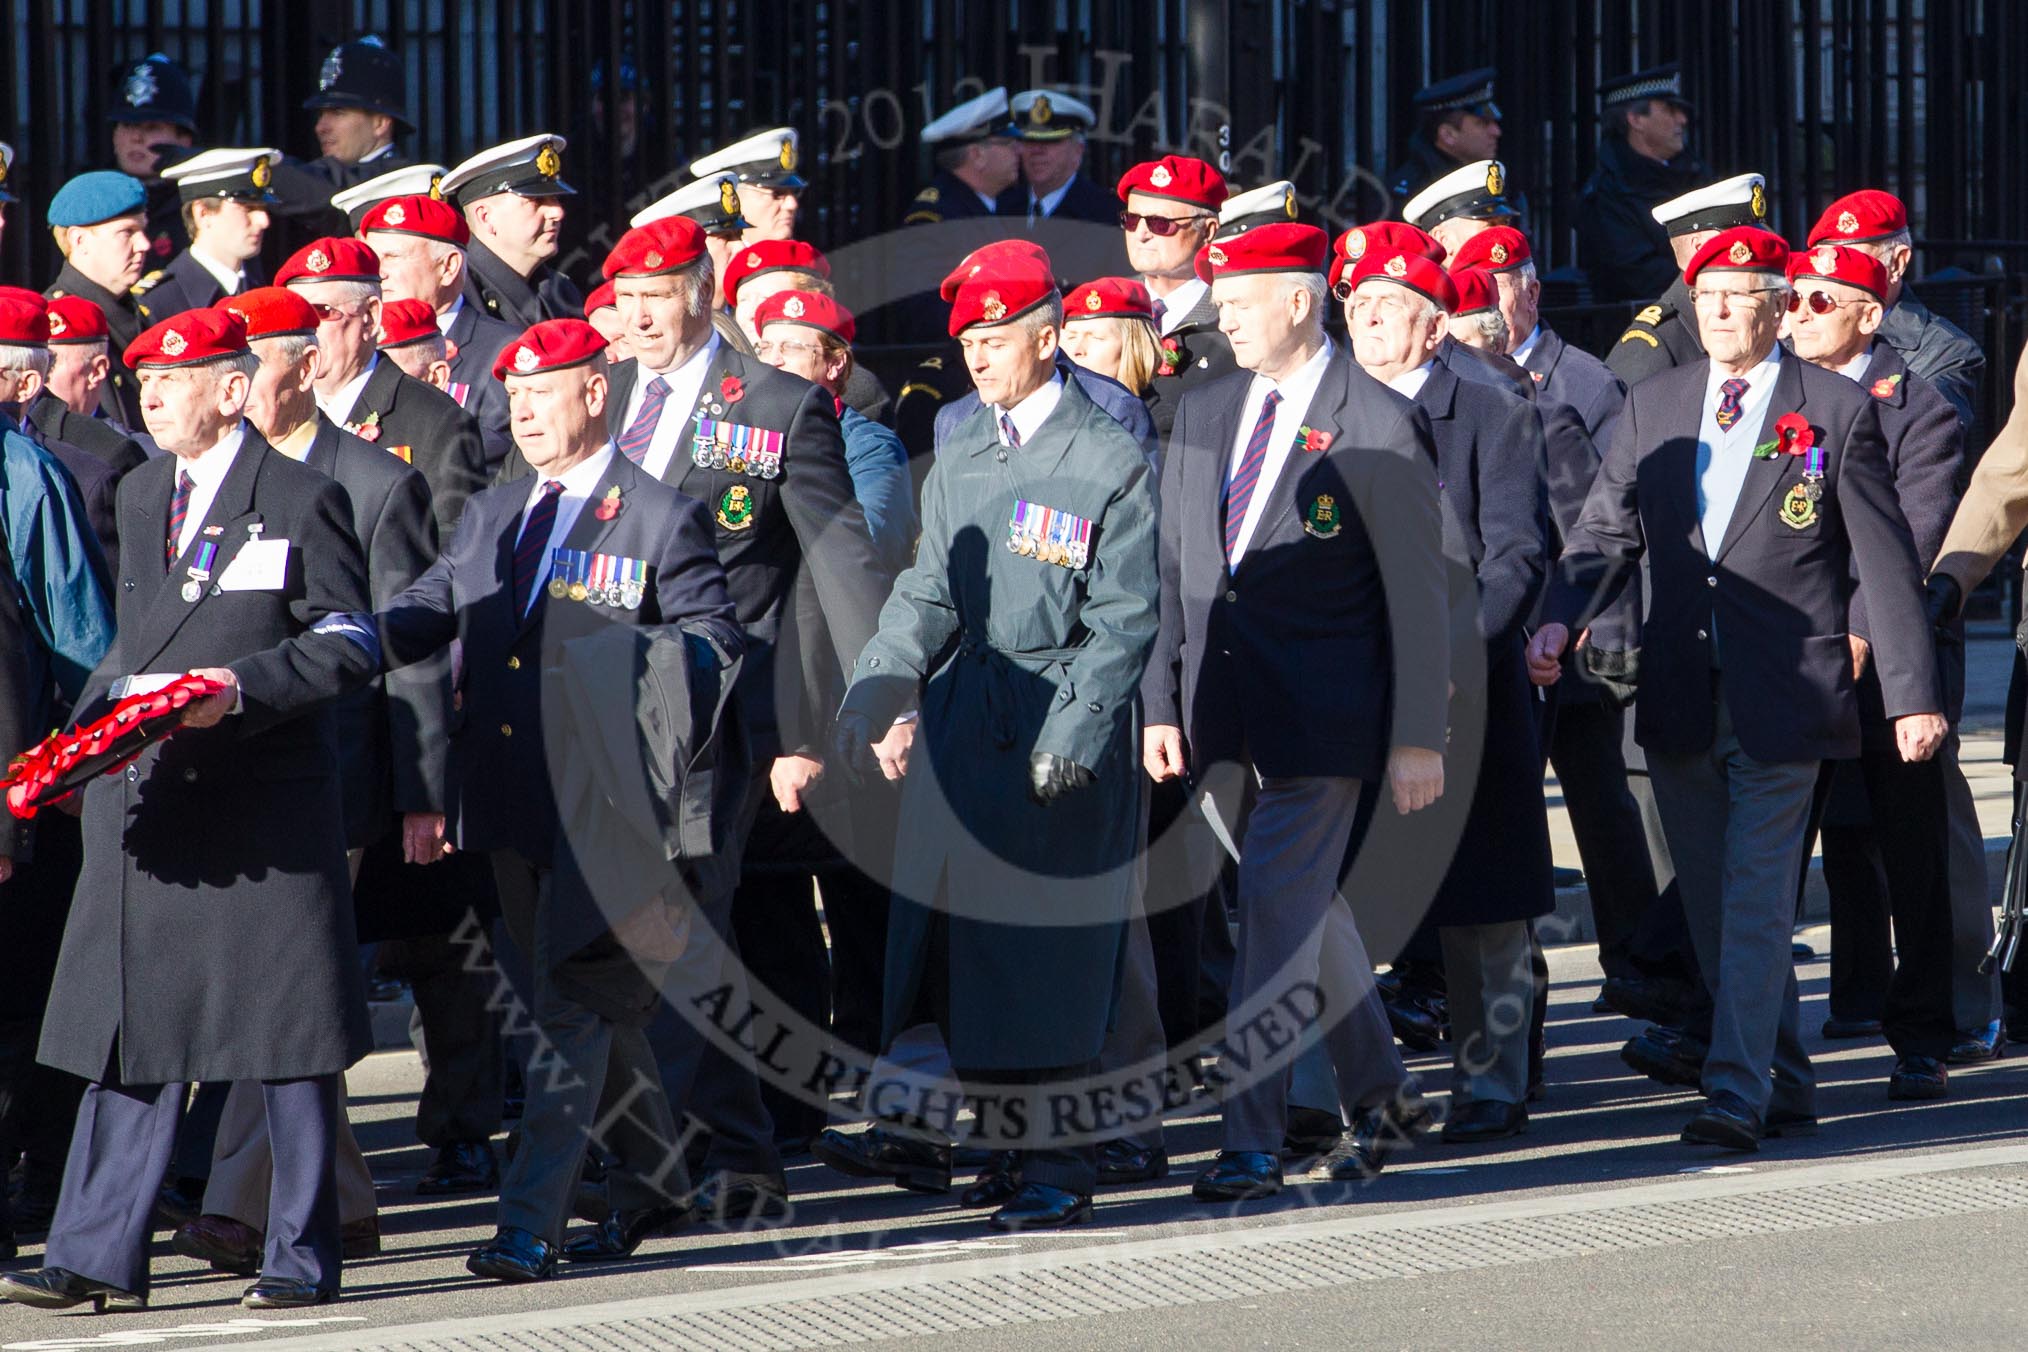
(1522,353)
(1029,415)
(338,408)
(1723,455)
(579,482)
(233,280)
(1409,383)
(1180,302)
(446,318)
(1293,411)
(1046,205)
(206,472)
(1855,370)
(686,385)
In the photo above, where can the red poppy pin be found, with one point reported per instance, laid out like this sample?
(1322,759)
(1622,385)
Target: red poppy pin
(731,389)
(1793,436)
(609,505)
(1884,387)
(1311,440)
(1172,357)
(367,430)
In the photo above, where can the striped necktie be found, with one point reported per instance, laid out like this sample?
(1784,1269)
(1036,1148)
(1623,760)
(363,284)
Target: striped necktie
(1239,488)
(1009,430)
(533,546)
(1728,402)
(179,512)
(635,441)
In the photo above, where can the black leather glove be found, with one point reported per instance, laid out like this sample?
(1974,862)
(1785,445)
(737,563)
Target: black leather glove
(1941,599)
(852,747)
(1050,777)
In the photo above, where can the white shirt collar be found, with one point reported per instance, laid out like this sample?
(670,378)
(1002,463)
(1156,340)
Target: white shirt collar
(339,405)
(1047,205)
(581,479)
(1177,305)
(692,365)
(232,280)
(1526,350)
(686,390)
(379,152)
(1855,370)
(446,318)
(209,469)
(1760,381)
(1409,383)
(1033,411)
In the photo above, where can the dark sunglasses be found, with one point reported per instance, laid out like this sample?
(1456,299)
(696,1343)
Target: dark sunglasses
(1820,302)
(1163,226)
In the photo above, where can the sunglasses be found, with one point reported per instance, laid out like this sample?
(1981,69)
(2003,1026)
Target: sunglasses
(1820,302)
(1163,226)
(327,313)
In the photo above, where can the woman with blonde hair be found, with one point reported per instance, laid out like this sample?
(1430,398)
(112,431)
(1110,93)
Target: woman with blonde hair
(1109,327)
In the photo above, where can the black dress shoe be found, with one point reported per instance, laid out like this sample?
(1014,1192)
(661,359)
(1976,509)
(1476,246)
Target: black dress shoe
(1311,1132)
(1037,1206)
(1376,1134)
(1978,1044)
(1836,1029)
(1238,1176)
(1485,1120)
(1125,1162)
(1667,1055)
(1726,1120)
(620,1233)
(178,1202)
(913,1163)
(59,1289)
(997,1184)
(227,1244)
(461,1166)
(285,1293)
(1918,1077)
(1417,1018)
(513,1255)
(1649,999)
(730,1195)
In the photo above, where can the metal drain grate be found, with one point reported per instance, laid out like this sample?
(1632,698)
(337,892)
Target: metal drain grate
(1247,1263)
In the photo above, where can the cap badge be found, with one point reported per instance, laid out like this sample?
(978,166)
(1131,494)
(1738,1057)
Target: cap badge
(3,168)
(1757,204)
(547,162)
(1396,266)
(1825,260)
(394,215)
(140,89)
(334,65)
(1161,178)
(1848,224)
(1355,245)
(1740,252)
(1498,254)
(992,309)
(753,260)
(172,343)
(1040,112)
(318,261)
(1289,203)
(652,259)
(1092,300)
(1495,180)
(1216,255)
(728,197)
(793,307)
(436,187)
(57,328)
(788,155)
(263,173)
(525,360)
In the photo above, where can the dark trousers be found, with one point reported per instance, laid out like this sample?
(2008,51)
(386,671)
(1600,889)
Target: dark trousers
(453,983)
(1187,897)
(1585,748)
(121,1149)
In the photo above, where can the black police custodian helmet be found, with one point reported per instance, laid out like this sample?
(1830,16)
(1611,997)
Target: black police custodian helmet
(363,73)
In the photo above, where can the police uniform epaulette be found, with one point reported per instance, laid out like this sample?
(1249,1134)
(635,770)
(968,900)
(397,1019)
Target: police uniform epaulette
(148,283)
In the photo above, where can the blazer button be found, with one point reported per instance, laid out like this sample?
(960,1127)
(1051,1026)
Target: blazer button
(513,664)
(1711,581)
(1232,596)
(190,775)
(1702,634)
(1094,707)
(507,730)
(872,663)
(133,774)
(1001,456)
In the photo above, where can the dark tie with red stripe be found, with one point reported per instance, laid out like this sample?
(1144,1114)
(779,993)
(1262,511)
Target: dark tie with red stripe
(1728,403)
(179,512)
(1239,488)
(634,442)
(533,545)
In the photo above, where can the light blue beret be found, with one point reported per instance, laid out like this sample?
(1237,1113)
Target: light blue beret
(97,196)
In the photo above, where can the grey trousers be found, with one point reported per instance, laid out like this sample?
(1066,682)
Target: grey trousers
(1975,998)
(1490,971)
(1356,1063)
(243,1163)
(1736,830)
(1292,846)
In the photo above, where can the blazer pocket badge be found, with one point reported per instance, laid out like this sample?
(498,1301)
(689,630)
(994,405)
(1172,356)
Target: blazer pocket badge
(735,508)
(1321,517)
(1799,507)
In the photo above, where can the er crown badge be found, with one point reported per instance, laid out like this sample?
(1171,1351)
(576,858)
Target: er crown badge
(1740,253)
(1320,518)
(1799,510)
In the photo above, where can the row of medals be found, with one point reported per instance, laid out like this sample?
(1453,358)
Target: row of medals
(1064,554)
(626,595)
(709,453)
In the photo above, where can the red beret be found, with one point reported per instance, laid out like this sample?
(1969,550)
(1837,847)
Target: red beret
(271,312)
(1836,263)
(1109,298)
(1476,290)
(1411,270)
(407,321)
(1496,249)
(772,255)
(331,260)
(1740,249)
(1381,237)
(1177,178)
(418,215)
(188,339)
(605,297)
(551,345)
(24,317)
(998,282)
(1860,218)
(809,308)
(73,319)
(655,248)
(1279,246)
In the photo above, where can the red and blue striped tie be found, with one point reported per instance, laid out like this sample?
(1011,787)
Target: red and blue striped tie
(533,546)
(1728,403)
(635,440)
(1239,488)
(179,511)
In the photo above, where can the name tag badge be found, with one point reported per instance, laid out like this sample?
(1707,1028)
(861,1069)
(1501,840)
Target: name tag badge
(260,565)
